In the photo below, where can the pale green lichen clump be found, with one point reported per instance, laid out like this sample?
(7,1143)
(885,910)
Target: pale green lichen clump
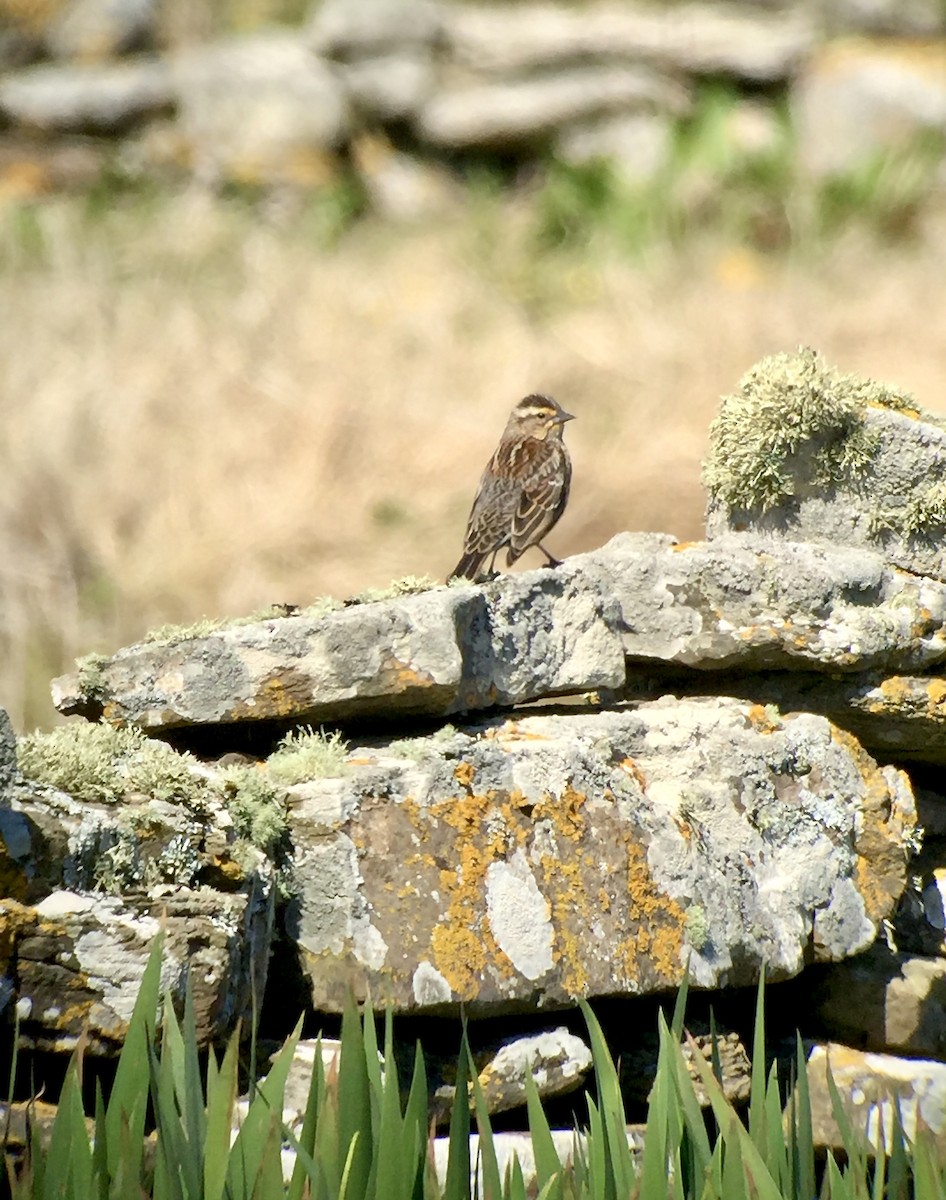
(307,754)
(101,764)
(784,403)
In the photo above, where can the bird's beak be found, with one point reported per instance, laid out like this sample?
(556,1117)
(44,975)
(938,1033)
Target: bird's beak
(563,417)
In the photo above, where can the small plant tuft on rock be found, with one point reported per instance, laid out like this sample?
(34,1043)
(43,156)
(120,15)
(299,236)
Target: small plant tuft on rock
(307,754)
(784,403)
(101,764)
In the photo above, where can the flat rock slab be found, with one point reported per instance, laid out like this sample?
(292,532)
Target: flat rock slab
(528,862)
(74,962)
(641,600)
(874,1088)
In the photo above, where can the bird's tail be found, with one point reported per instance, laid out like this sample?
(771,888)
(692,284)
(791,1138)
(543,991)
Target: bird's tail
(468,567)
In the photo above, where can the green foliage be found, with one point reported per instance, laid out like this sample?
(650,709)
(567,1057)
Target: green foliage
(307,754)
(361,1138)
(257,807)
(102,764)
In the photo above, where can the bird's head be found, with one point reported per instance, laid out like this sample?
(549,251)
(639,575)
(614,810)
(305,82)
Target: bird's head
(536,417)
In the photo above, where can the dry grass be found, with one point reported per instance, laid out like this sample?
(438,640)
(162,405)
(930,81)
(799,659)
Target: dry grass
(207,412)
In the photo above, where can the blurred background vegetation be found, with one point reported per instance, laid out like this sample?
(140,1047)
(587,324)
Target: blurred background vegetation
(220,397)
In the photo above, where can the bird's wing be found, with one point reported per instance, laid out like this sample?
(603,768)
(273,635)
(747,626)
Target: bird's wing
(492,513)
(541,502)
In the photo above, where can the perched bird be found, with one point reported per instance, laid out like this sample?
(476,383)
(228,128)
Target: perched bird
(523,490)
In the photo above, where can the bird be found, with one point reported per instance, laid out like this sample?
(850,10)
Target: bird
(523,490)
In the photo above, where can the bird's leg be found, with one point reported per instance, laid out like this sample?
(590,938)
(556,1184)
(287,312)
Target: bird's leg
(492,572)
(552,562)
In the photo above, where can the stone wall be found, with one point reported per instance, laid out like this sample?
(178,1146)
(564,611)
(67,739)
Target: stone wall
(402,92)
(657,762)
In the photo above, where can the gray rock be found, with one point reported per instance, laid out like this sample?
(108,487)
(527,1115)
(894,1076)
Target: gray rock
(886,1002)
(872,1088)
(856,102)
(74,962)
(638,145)
(435,653)
(897,18)
(260,109)
(391,87)
(536,860)
(92,30)
(743,603)
(529,110)
(691,38)
(85,99)
(557,1061)
(804,453)
(401,187)
(353,29)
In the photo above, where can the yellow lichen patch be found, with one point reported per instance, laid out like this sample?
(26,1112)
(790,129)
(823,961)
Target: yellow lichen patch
(277,696)
(630,767)
(936,690)
(399,677)
(760,717)
(565,813)
(657,938)
(462,943)
(896,689)
(880,870)
(464,773)
(568,902)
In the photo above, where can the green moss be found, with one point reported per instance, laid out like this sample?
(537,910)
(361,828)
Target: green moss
(697,926)
(307,754)
(256,805)
(101,764)
(421,747)
(924,516)
(787,403)
(170,635)
(408,585)
(90,672)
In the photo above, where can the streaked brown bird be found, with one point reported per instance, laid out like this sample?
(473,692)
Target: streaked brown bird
(523,490)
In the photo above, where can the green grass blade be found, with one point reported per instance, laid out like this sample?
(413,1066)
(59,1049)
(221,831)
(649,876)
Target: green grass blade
(394,1144)
(99,1147)
(457,1183)
(69,1160)
(222,1089)
(492,1183)
(128,1100)
(354,1100)
(757,1090)
(548,1166)
(620,1160)
(738,1141)
(596,1158)
(261,1132)
(306,1147)
(680,1006)
(802,1141)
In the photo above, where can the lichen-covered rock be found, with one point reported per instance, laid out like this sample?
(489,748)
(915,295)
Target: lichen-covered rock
(802,452)
(74,961)
(734,603)
(875,1090)
(435,653)
(531,861)
(639,1058)
(556,1060)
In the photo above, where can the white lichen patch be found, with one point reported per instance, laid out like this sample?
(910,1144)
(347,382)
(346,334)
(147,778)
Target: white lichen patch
(519,916)
(429,986)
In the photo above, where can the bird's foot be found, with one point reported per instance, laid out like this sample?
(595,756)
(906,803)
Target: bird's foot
(553,563)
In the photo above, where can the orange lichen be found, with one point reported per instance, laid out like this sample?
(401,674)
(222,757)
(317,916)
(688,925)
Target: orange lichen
(464,773)
(630,767)
(760,718)
(565,813)
(660,923)
(880,870)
